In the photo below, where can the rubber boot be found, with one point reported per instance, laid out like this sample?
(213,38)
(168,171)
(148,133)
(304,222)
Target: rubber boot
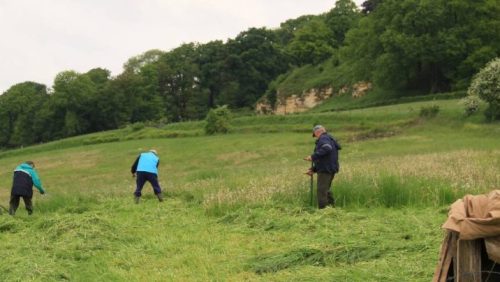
(160,197)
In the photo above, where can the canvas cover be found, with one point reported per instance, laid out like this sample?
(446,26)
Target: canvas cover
(475,217)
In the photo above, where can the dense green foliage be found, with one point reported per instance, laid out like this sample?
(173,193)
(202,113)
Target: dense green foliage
(406,45)
(417,45)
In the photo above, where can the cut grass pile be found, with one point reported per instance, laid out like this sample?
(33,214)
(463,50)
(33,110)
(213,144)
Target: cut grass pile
(116,240)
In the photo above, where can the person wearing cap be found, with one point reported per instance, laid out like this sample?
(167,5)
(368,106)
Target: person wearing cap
(325,162)
(25,176)
(145,168)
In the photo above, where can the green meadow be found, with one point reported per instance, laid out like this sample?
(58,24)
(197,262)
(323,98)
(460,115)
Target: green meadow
(237,205)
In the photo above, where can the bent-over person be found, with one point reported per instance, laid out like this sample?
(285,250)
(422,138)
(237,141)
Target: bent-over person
(145,169)
(25,177)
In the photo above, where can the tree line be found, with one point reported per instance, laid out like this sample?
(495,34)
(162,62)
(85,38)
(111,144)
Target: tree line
(427,45)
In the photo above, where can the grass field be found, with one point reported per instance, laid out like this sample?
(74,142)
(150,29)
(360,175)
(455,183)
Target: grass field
(237,205)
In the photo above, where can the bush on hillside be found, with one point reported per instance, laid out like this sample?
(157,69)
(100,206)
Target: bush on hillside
(470,104)
(218,120)
(429,111)
(486,85)
(137,126)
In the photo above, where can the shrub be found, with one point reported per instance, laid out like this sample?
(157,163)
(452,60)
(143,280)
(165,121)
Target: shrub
(137,126)
(470,104)
(486,85)
(218,120)
(429,111)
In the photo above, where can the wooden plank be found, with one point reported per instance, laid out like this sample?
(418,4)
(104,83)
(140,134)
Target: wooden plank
(447,258)
(452,255)
(444,259)
(468,261)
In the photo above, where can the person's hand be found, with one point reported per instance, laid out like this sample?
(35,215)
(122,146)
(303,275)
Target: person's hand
(308,158)
(42,192)
(310,172)
(133,174)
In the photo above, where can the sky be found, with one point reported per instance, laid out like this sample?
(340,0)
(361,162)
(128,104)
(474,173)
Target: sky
(40,38)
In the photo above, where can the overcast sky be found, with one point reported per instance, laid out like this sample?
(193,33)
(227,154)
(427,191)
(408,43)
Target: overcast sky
(40,38)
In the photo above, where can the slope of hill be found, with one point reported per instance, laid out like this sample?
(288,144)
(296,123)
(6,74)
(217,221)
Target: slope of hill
(237,205)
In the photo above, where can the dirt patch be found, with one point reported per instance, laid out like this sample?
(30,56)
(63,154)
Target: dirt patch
(385,132)
(373,134)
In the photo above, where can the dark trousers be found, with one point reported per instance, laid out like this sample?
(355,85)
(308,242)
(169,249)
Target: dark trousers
(14,204)
(325,195)
(142,177)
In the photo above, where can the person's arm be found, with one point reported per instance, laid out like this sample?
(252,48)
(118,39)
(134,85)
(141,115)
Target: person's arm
(323,149)
(158,163)
(133,169)
(337,144)
(37,182)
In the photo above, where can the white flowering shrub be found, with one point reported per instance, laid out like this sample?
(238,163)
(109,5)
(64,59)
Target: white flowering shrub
(486,85)
(470,104)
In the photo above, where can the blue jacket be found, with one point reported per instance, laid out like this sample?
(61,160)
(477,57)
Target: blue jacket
(24,178)
(146,162)
(326,156)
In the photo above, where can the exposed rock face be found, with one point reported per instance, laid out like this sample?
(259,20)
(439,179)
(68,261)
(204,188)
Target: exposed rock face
(308,99)
(295,103)
(359,89)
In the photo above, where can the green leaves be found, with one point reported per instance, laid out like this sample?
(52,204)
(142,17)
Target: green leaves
(218,120)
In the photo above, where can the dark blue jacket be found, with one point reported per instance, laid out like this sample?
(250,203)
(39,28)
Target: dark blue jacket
(326,156)
(24,178)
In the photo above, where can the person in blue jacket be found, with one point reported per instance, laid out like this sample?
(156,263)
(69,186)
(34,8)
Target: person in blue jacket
(325,160)
(25,176)
(145,168)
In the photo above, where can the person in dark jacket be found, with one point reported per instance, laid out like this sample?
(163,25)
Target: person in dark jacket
(25,176)
(325,162)
(145,168)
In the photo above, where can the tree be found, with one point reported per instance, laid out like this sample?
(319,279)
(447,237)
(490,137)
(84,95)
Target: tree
(287,29)
(72,95)
(254,60)
(108,110)
(311,44)
(430,46)
(135,64)
(341,19)
(210,59)
(369,6)
(136,96)
(18,109)
(486,85)
(179,84)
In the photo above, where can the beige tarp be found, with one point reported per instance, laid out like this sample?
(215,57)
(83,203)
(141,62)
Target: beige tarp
(477,217)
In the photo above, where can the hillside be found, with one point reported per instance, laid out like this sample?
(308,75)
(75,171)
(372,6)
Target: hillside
(237,204)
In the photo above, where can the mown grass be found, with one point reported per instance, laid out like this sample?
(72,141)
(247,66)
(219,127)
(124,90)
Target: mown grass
(117,241)
(237,205)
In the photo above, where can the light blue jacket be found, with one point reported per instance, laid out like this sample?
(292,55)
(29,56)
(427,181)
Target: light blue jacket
(148,162)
